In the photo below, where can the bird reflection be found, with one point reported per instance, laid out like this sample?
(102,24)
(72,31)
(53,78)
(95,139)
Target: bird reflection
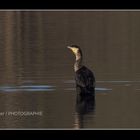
(84,106)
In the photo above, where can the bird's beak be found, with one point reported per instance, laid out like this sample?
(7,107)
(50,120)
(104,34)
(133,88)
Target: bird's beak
(69,47)
(74,50)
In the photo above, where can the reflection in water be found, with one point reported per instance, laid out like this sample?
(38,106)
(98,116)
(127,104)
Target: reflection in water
(84,107)
(98,89)
(17,88)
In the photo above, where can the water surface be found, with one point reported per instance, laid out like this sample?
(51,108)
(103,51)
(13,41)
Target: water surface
(37,74)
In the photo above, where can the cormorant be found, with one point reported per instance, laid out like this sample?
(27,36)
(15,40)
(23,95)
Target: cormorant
(85,79)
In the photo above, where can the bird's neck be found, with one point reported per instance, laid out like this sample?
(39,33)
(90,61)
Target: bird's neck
(78,63)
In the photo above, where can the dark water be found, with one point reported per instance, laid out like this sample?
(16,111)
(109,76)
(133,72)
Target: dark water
(37,74)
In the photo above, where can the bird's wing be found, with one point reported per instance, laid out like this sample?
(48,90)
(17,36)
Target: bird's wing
(85,79)
(80,80)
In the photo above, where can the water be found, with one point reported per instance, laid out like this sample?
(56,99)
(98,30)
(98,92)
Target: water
(37,74)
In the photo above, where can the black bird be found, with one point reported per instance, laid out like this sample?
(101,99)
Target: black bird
(85,79)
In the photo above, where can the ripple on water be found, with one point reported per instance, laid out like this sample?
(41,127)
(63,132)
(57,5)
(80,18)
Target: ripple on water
(27,88)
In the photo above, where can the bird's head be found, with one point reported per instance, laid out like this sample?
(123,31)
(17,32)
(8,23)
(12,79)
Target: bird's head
(75,49)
